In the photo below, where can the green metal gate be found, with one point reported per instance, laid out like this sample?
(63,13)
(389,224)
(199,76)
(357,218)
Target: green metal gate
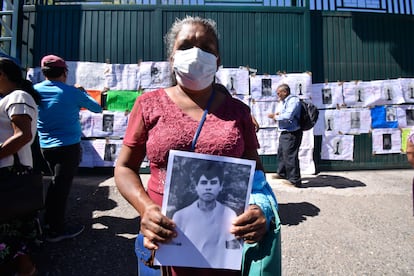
(334,46)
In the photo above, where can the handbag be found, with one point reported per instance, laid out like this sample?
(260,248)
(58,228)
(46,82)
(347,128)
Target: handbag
(264,258)
(21,191)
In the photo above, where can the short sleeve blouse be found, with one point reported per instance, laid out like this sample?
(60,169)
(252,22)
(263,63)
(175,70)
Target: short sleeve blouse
(159,124)
(17,103)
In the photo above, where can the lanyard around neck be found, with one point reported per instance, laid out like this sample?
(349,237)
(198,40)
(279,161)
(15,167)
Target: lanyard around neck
(203,118)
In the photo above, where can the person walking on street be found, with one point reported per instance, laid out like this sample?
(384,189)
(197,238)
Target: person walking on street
(59,135)
(287,115)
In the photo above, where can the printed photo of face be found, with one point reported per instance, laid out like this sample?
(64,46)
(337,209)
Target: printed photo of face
(208,189)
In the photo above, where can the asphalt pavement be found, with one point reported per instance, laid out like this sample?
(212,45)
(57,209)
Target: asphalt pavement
(338,223)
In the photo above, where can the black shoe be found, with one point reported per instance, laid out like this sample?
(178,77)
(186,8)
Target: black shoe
(69,232)
(298,185)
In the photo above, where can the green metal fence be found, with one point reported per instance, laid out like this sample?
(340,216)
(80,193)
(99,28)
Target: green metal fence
(333,46)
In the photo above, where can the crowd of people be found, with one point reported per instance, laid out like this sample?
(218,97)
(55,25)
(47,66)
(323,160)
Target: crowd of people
(48,111)
(194,115)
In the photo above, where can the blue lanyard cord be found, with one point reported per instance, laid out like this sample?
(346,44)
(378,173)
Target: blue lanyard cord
(200,125)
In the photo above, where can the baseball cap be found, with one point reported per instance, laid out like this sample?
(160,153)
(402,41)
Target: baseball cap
(52,61)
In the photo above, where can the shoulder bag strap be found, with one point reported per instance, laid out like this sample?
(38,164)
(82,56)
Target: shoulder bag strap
(200,125)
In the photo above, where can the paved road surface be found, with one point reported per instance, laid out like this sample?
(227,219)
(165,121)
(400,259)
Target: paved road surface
(340,223)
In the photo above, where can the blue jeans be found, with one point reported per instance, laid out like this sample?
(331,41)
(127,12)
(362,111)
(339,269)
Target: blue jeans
(63,163)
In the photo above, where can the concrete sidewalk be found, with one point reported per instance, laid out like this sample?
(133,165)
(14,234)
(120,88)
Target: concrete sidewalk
(339,223)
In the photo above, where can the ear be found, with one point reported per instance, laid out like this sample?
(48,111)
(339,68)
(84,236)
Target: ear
(218,62)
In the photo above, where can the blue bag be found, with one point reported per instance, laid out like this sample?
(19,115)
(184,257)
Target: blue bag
(145,258)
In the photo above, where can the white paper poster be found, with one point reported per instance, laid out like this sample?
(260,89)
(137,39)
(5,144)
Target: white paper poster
(407,89)
(300,84)
(268,140)
(261,110)
(327,95)
(355,120)
(306,163)
(354,94)
(155,75)
(263,87)
(89,75)
(122,76)
(386,140)
(337,147)
(108,123)
(234,79)
(405,116)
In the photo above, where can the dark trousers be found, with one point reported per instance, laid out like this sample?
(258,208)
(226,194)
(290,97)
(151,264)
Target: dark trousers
(288,159)
(63,163)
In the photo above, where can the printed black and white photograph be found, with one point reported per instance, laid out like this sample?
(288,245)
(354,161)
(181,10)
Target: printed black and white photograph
(299,89)
(110,152)
(337,150)
(329,123)
(266,87)
(231,84)
(155,74)
(386,141)
(388,94)
(390,114)
(411,92)
(359,95)
(326,96)
(108,122)
(355,120)
(409,114)
(203,194)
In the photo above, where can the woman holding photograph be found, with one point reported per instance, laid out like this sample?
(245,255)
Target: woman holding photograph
(168,118)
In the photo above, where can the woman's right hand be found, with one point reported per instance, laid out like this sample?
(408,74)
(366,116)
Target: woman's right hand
(156,227)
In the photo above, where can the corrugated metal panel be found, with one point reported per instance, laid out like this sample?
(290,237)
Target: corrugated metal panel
(362,46)
(254,39)
(126,35)
(344,46)
(105,34)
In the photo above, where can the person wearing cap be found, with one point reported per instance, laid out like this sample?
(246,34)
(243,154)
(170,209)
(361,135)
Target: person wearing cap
(59,135)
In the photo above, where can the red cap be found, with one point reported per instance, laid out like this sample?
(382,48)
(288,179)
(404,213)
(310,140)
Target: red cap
(53,61)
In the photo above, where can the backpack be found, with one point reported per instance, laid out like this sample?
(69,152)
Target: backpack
(308,115)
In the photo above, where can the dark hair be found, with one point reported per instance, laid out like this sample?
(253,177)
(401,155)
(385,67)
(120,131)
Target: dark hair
(53,72)
(14,74)
(210,170)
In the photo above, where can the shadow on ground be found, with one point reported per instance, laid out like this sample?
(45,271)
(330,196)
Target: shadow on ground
(106,247)
(337,182)
(296,213)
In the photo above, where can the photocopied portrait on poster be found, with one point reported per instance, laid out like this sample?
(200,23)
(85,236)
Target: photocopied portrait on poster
(407,89)
(203,195)
(337,147)
(386,140)
(236,80)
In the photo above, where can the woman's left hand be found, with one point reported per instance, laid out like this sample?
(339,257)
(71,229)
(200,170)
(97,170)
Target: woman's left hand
(250,226)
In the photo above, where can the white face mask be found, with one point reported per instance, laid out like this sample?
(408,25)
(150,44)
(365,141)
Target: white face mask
(194,69)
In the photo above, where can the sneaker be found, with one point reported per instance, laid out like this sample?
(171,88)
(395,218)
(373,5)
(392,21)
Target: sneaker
(68,233)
